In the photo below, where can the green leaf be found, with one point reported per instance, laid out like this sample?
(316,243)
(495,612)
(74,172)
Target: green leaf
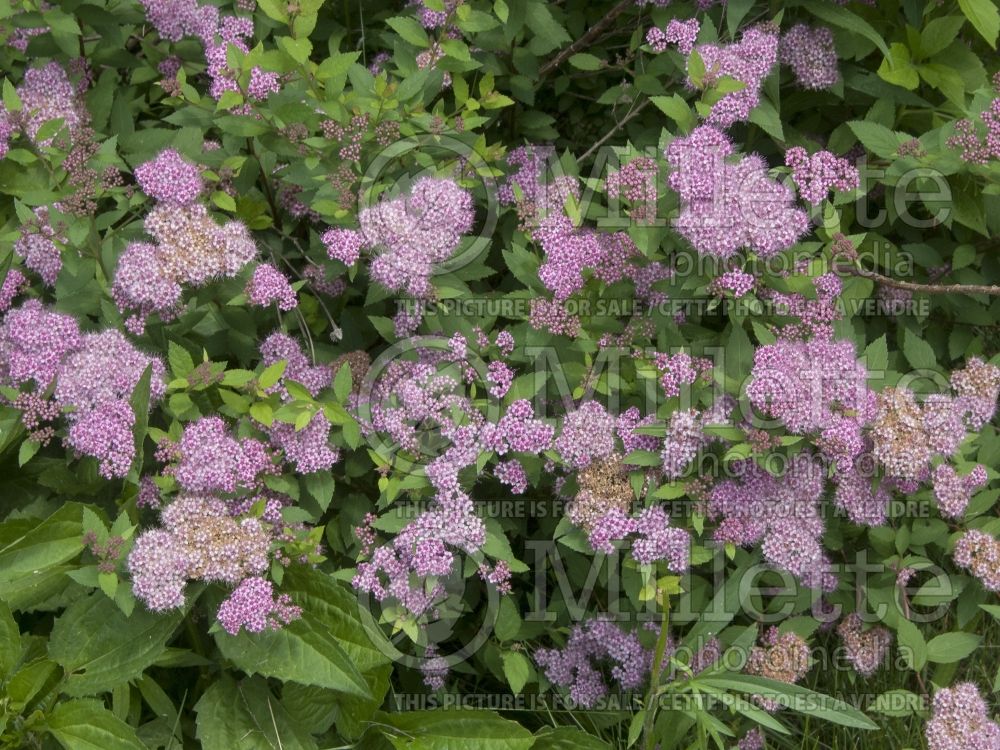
(246,716)
(676,109)
(27,451)
(181,362)
(948,648)
(328,646)
(876,355)
(224,200)
(99,647)
(877,138)
(796,697)
(410,30)
(455,730)
(983,14)
(897,68)
(139,400)
(845,19)
(88,725)
(911,644)
(517,669)
(272,374)
(585,61)
(10,640)
(36,547)
(918,351)
(567,738)
(938,34)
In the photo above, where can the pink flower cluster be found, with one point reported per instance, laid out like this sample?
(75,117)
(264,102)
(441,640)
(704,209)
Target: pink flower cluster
(652,537)
(588,434)
(811,55)
(95,375)
(170,179)
(749,61)
(953,492)
(343,245)
(37,245)
(416,232)
(268,286)
(191,248)
(819,173)
(979,552)
(46,94)
(865,649)
(781,512)
(976,148)
(681,33)
(960,721)
(209,459)
(252,606)
(781,656)
(176,19)
(595,642)
(729,206)
(199,540)
(410,399)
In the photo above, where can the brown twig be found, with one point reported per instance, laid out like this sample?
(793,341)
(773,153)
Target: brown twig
(584,41)
(912,286)
(632,114)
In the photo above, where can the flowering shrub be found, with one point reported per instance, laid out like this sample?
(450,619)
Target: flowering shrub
(499,374)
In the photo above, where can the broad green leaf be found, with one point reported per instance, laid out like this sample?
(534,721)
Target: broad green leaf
(877,138)
(10,640)
(951,647)
(38,546)
(918,351)
(585,61)
(246,716)
(795,697)
(328,646)
(567,738)
(410,30)
(911,644)
(454,730)
(845,19)
(88,725)
(99,647)
(517,669)
(983,14)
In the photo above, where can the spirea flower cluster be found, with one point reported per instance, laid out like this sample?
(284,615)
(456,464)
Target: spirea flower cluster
(749,61)
(729,206)
(811,55)
(191,248)
(960,719)
(577,667)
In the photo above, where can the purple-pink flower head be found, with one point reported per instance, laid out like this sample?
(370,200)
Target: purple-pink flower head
(415,232)
(268,286)
(960,720)
(176,19)
(343,245)
(280,346)
(33,343)
(728,206)
(588,433)
(106,434)
(253,606)
(46,94)
(681,33)
(811,55)
(820,173)
(749,61)
(38,246)
(140,286)
(596,642)
(169,178)
(106,367)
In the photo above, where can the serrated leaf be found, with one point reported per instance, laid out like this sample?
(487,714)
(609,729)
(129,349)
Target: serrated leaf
(88,725)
